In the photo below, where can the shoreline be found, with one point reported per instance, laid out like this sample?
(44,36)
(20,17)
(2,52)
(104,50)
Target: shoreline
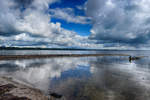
(14,57)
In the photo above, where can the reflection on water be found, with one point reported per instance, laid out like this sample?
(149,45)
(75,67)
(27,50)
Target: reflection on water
(87,78)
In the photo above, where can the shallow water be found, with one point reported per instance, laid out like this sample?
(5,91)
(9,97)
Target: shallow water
(85,78)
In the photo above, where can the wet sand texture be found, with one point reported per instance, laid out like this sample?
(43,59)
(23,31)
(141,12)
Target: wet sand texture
(13,57)
(10,90)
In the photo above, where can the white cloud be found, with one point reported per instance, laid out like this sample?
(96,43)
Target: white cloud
(33,19)
(80,7)
(38,25)
(68,15)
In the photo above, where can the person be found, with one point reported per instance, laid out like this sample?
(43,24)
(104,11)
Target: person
(130,59)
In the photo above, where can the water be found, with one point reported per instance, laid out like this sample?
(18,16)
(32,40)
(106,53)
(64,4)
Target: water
(32,52)
(84,78)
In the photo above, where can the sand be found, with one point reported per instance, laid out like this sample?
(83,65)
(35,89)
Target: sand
(11,90)
(14,57)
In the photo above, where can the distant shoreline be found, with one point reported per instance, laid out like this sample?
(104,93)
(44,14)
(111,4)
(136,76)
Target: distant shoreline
(38,48)
(14,57)
(67,49)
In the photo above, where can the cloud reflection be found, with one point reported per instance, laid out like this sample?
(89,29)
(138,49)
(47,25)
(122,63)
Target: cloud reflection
(91,78)
(38,72)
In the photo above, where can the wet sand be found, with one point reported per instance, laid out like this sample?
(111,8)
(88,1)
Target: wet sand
(11,90)
(14,57)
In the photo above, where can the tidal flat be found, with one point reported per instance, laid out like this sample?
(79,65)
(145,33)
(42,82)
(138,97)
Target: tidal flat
(111,77)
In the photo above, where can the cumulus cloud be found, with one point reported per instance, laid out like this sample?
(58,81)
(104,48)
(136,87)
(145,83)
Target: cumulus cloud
(123,21)
(26,16)
(28,23)
(68,15)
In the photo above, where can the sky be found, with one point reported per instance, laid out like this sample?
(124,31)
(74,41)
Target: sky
(95,24)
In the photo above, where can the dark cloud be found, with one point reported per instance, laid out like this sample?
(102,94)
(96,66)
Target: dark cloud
(120,21)
(23,3)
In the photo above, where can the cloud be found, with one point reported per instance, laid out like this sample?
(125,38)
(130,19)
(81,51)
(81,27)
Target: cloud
(68,15)
(80,7)
(15,19)
(66,39)
(28,23)
(120,21)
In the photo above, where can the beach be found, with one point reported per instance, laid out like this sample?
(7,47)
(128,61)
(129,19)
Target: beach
(12,90)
